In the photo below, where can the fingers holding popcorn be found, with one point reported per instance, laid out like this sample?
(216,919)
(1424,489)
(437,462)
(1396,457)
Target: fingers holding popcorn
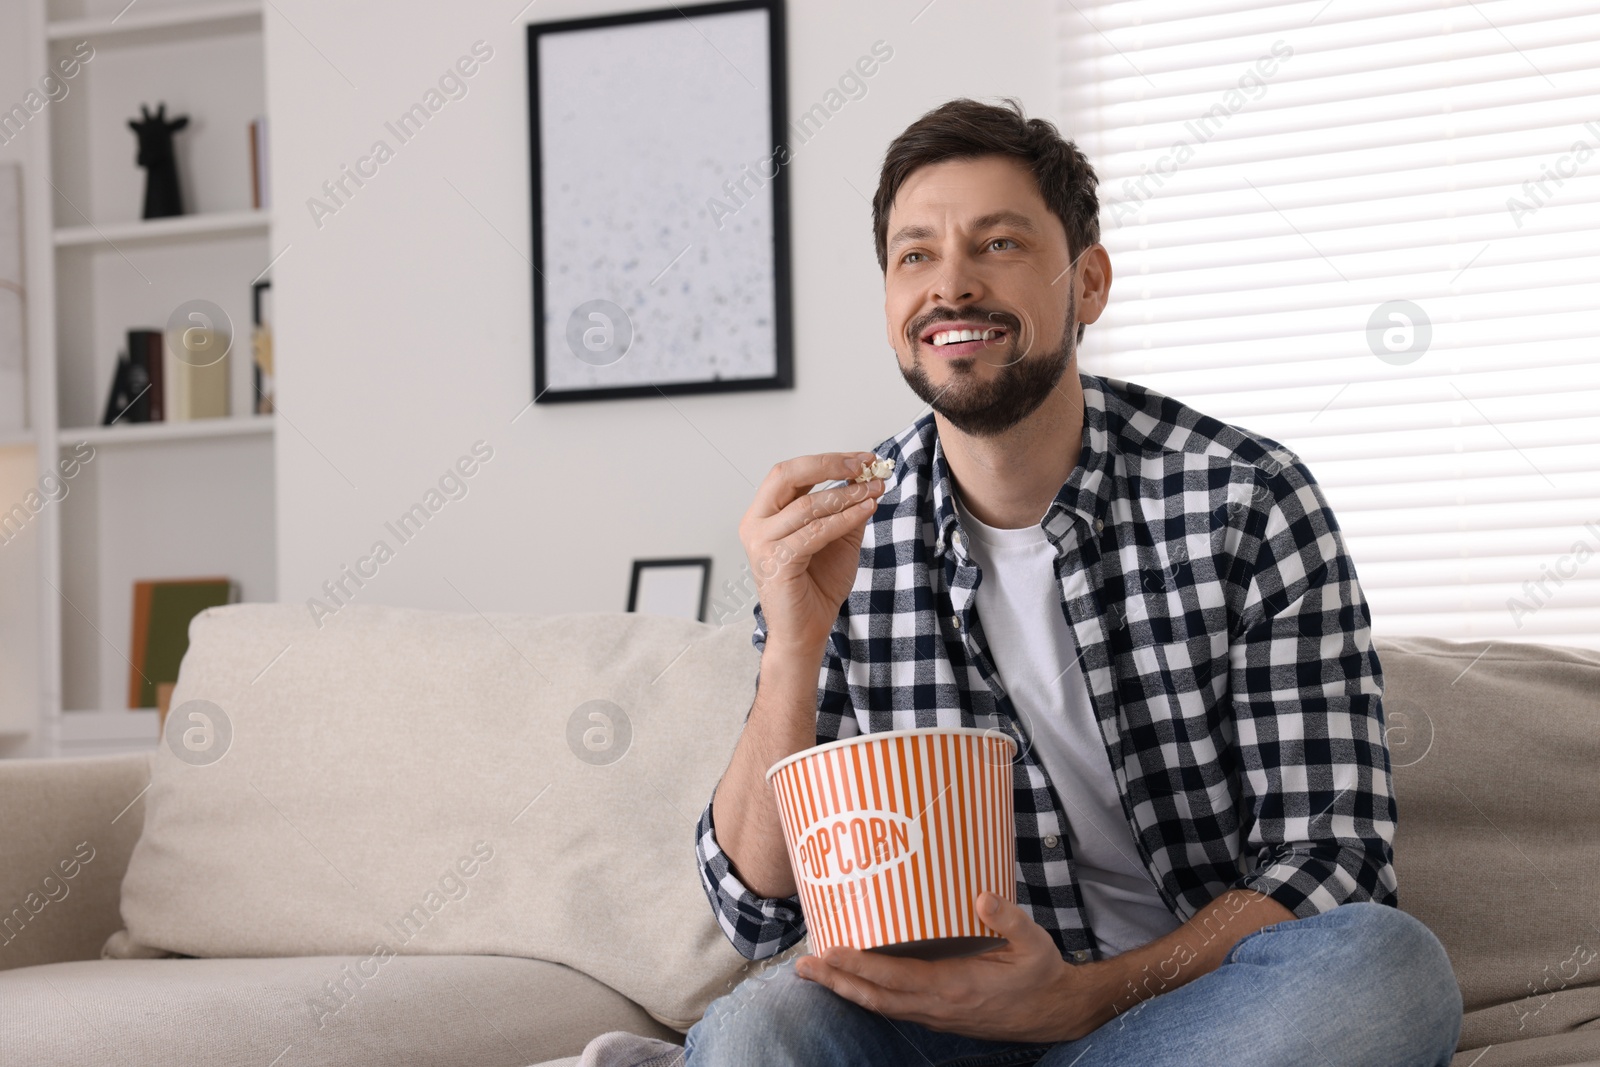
(804,547)
(810,508)
(794,478)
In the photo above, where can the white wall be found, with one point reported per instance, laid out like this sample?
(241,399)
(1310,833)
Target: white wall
(404,322)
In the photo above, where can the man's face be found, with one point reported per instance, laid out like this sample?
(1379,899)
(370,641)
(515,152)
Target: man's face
(973,247)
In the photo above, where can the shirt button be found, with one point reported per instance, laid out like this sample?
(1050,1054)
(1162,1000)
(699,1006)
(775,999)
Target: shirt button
(956,538)
(1099,525)
(1052,841)
(955,620)
(1080,955)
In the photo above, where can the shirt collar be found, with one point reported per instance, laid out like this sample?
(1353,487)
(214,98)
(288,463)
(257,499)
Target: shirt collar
(1085,498)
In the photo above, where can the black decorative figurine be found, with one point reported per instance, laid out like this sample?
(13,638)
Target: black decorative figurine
(161,198)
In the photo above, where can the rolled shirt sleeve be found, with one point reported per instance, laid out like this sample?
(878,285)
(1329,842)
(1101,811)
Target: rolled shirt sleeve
(1318,804)
(757,926)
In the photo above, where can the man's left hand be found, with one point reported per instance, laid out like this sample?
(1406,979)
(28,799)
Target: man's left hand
(1021,991)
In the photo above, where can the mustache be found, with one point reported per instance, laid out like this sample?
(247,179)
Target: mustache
(919,326)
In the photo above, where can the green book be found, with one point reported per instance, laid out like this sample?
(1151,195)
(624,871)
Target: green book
(162,611)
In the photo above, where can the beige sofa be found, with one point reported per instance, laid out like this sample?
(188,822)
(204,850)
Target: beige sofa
(413,837)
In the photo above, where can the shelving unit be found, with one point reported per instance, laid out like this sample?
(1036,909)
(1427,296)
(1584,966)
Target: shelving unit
(156,500)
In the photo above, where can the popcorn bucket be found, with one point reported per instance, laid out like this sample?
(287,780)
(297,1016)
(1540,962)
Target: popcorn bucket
(893,835)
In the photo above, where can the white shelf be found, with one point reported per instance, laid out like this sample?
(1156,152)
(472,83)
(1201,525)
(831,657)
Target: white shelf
(16,439)
(186,17)
(142,432)
(177,228)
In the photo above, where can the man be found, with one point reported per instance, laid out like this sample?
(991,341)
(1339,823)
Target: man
(1157,606)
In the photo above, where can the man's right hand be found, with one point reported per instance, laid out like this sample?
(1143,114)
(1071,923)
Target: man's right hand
(804,551)
(804,547)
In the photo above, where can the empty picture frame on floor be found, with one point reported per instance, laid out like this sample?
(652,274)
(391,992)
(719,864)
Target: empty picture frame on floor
(676,587)
(660,203)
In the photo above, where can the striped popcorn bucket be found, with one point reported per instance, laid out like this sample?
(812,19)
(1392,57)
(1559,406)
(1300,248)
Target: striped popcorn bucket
(893,835)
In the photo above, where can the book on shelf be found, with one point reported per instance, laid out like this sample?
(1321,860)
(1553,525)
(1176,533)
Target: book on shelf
(162,611)
(260,191)
(196,385)
(152,383)
(146,351)
(138,391)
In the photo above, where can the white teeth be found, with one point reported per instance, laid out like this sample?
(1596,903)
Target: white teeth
(951,337)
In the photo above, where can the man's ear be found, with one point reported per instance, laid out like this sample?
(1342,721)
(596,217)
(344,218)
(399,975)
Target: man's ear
(1092,276)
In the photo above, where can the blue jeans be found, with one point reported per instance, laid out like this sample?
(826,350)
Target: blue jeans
(1363,985)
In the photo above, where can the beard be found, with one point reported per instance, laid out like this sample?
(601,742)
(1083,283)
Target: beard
(988,409)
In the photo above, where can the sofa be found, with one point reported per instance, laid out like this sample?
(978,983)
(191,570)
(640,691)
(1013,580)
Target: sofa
(396,836)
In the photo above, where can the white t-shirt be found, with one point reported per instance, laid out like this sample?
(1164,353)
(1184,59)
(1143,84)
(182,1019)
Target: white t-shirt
(1020,610)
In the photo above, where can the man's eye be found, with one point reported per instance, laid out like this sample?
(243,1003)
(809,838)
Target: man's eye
(1008,242)
(907,257)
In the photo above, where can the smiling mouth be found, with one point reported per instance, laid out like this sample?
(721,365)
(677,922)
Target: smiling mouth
(962,341)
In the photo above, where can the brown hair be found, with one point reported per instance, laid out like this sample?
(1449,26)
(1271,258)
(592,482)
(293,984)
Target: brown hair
(964,129)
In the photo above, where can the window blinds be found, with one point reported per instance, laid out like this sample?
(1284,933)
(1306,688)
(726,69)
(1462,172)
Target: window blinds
(1370,229)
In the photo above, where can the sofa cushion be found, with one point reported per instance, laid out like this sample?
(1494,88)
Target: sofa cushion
(1495,749)
(431,1011)
(447,783)
(69,826)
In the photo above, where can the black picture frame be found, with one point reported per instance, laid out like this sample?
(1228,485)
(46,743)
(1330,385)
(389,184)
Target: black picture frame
(782,311)
(641,565)
(257,289)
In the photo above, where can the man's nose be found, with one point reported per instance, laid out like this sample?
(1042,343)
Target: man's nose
(958,282)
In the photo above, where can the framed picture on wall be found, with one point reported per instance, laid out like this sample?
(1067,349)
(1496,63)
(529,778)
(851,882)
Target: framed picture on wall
(660,203)
(676,587)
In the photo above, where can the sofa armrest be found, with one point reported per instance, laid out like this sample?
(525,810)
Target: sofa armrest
(67,828)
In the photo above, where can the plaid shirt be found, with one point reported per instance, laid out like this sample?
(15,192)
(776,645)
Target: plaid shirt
(1226,646)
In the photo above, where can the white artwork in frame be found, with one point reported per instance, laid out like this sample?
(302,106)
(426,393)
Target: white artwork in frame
(672,587)
(650,277)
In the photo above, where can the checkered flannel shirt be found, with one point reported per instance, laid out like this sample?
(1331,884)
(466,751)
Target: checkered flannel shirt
(1224,640)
